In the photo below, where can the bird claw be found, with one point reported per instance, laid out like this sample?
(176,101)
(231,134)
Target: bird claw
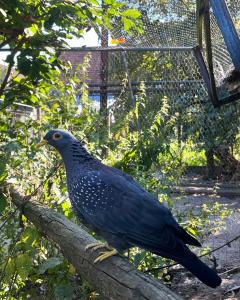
(105,255)
(97,245)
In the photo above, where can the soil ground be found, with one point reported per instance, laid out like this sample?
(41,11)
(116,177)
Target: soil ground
(227,258)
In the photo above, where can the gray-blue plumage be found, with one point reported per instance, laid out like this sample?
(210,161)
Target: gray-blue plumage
(110,202)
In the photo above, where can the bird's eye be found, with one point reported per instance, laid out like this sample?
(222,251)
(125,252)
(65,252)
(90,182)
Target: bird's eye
(57,136)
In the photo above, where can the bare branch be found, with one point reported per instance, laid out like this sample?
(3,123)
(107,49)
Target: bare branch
(10,66)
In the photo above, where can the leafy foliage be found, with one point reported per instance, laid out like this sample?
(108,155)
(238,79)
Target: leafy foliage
(156,155)
(35,31)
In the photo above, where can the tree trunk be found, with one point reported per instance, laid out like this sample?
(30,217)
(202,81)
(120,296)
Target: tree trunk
(229,164)
(210,164)
(114,278)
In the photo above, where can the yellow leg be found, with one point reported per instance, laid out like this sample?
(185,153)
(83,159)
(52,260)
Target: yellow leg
(97,245)
(105,255)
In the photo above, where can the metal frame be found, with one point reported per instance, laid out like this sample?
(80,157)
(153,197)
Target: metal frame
(206,69)
(103,86)
(157,82)
(203,17)
(112,49)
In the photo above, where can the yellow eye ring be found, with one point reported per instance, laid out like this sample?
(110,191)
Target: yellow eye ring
(57,136)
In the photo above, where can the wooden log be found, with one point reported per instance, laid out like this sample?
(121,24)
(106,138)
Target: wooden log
(191,190)
(211,184)
(114,278)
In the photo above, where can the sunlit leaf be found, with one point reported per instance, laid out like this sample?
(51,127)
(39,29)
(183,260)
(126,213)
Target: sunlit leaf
(133,13)
(50,263)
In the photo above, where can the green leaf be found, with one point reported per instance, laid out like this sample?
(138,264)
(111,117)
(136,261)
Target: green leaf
(64,291)
(50,263)
(3,203)
(127,24)
(108,2)
(2,165)
(29,236)
(94,2)
(31,31)
(33,98)
(23,265)
(10,270)
(139,257)
(66,208)
(191,231)
(132,13)
(3,171)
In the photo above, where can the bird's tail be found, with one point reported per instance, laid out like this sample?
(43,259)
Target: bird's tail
(202,271)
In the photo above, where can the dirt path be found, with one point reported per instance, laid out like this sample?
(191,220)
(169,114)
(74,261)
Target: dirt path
(227,258)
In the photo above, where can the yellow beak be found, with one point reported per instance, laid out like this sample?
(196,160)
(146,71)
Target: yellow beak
(43,142)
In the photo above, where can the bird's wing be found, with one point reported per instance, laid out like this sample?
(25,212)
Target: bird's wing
(133,214)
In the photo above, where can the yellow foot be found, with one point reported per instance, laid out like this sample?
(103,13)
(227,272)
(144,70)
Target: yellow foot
(97,245)
(105,255)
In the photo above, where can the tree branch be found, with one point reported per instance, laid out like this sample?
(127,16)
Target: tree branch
(7,41)
(11,64)
(8,73)
(114,278)
(13,31)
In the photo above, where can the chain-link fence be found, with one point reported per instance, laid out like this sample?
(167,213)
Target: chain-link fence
(176,24)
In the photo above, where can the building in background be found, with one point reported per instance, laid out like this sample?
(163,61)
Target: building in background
(93,74)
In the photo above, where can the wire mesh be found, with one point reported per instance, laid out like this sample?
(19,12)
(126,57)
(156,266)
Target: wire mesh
(165,24)
(131,73)
(174,24)
(221,57)
(222,62)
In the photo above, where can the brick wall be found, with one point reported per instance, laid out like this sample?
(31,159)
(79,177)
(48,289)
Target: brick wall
(76,58)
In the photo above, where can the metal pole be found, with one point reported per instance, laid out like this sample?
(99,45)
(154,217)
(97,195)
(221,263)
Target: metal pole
(200,15)
(229,32)
(113,49)
(208,41)
(103,88)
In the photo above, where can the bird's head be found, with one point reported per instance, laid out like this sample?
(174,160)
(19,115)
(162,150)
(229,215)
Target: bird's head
(57,138)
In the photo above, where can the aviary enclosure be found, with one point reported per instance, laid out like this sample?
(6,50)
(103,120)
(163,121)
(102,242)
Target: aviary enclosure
(160,102)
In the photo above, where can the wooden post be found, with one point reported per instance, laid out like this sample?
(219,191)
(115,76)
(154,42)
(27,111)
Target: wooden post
(104,73)
(114,278)
(200,16)
(229,32)
(103,87)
